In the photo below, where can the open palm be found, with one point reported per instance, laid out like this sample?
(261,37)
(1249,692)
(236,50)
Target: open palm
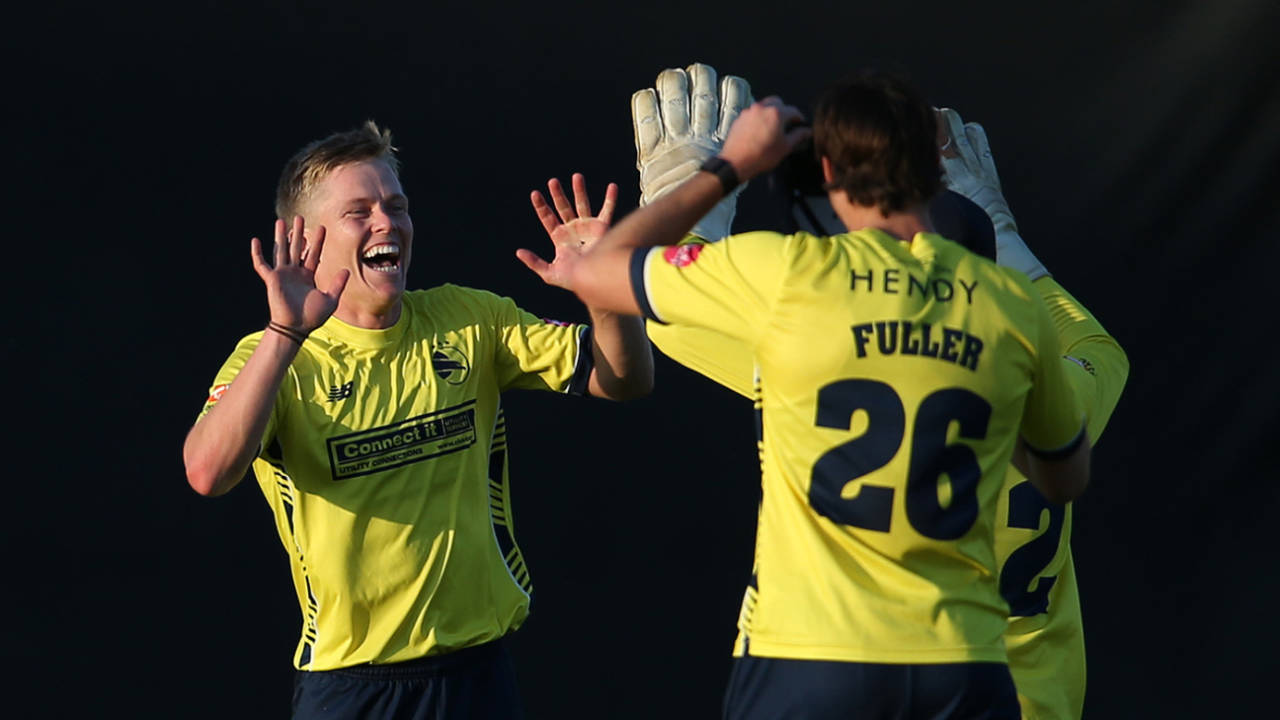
(571,227)
(292,296)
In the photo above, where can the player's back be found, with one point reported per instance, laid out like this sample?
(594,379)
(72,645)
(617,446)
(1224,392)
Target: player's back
(892,379)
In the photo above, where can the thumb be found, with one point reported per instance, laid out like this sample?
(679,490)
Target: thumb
(534,263)
(338,284)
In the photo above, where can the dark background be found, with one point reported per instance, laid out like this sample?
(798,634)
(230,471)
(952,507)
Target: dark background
(1139,150)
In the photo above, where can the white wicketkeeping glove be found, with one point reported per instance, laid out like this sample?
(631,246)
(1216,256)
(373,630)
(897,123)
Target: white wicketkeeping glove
(973,174)
(679,123)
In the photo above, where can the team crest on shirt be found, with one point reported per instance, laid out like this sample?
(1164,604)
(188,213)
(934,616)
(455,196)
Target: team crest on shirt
(216,393)
(682,255)
(450,364)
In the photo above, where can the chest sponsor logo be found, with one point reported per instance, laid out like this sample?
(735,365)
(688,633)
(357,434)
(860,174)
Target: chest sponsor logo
(403,443)
(450,364)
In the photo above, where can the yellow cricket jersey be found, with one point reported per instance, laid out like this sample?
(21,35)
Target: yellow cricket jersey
(1045,639)
(385,464)
(893,380)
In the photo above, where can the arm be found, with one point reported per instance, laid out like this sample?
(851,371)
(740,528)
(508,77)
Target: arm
(1060,479)
(222,444)
(623,360)
(1093,364)
(757,142)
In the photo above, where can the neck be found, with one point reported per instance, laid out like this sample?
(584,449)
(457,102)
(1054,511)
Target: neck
(369,319)
(902,224)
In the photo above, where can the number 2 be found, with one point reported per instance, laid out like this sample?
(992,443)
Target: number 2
(1025,507)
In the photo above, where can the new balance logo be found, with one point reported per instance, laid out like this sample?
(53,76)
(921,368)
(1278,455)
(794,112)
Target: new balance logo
(342,392)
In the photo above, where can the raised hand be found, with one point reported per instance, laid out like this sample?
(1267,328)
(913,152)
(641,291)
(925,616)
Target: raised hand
(679,123)
(763,135)
(292,296)
(572,228)
(969,169)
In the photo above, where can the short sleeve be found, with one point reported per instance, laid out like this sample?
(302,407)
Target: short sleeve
(535,353)
(730,287)
(1053,423)
(1095,363)
(228,372)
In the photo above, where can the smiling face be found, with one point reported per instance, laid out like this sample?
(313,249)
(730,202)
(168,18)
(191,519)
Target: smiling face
(367,231)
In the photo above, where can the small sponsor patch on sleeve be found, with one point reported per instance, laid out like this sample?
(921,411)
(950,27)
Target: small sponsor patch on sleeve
(216,394)
(1088,366)
(557,323)
(682,255)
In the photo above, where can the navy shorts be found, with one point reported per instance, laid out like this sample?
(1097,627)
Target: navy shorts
(475,683)
(773,688)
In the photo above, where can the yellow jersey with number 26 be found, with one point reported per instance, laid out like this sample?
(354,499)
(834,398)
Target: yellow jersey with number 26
(892,382)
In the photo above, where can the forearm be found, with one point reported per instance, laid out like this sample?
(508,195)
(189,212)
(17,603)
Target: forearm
(665,221)
(623,367)
(222,444)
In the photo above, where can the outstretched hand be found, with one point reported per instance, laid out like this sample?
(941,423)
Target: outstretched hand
(292,295)
(572,228)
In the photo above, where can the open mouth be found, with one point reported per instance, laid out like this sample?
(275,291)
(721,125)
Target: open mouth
(383,258)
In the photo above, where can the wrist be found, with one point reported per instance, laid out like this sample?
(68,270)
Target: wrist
(725,171)
(1012,252)
(297,335)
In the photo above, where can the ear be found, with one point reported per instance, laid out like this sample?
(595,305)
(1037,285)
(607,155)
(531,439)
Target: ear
(827,173)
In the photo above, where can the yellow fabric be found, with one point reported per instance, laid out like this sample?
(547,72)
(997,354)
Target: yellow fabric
(385,465)
(1046,651)
(805,310)
(1046,640)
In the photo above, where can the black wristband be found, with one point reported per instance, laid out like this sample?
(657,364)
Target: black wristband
(721,168)
(293,334)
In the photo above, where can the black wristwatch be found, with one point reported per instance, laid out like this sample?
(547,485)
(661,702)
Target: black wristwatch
(721,168)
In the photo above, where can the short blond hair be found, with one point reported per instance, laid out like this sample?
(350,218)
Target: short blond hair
(313,163)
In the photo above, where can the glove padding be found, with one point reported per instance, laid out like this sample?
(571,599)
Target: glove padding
(972,173)
(678,124)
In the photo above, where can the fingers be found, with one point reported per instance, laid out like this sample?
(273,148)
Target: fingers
(610,202)
(942,136)
(338,284)
(546,215)
(260,265)
(705,108)
(798,134)
(951,130)
(580,197)
(560,200)
(311,255)
(297,240)
(646,122)
(281,247)
(977,137)
(735,95)
(533,262)
(673,97)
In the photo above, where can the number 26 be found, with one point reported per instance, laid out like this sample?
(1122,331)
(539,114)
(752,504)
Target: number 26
(931,457)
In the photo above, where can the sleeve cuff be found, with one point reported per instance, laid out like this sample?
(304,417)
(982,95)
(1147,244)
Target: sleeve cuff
(583,364)
(638,258)
(1061,452)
